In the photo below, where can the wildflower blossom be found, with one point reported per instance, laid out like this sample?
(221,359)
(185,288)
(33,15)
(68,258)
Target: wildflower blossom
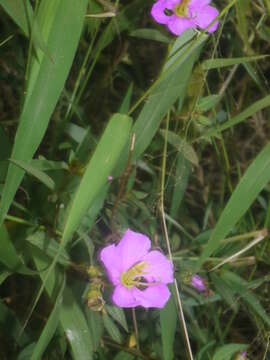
(140,276)
(198,283)
(180,15)
(110,178)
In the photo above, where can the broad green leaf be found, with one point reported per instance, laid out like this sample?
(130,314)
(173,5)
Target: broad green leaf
(38,174)
(251,110)
(75,325)
(226,352)
(219,63)
(101,165)
(249,187)
(63,38)
(170,86)
(168,321)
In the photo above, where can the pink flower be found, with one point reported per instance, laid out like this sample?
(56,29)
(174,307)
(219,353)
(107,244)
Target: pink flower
(138,274)
(180,15)
(198,283)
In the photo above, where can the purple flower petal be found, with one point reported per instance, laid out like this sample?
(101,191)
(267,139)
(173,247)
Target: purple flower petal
(132,248)
(178,25)
(112,263)
(160,269)
(198,283)
(205,17)
(158,12)
(153,296)
(198,4)
(123,297)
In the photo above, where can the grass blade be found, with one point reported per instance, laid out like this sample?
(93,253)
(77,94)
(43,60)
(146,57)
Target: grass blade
(62,43)
(99,168)
(251,184)
(171,86)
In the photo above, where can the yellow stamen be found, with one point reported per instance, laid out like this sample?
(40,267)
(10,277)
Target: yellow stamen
(182,8)
(128,278)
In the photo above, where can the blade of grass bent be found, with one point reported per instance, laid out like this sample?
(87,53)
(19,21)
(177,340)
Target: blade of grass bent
(62,43)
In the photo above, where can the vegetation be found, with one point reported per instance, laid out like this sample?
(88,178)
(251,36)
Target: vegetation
(109,122)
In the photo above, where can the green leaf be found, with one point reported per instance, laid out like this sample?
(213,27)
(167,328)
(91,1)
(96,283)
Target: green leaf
(240,286)
(72,318)
(169,87)
(96,327)
(122,355)
(126,102)
(168,320)
(251,110)
(226,352)
(219,63)
(118,315)
(38,174)
(12,326)
(22,14)
(151,34)
(180,184)
(9,256)
(249,187)
(208,102)
(182,146)
(224,290)
(48,246)
(44,92)
(99,168)
(20,11)
(112,329)
(49,329)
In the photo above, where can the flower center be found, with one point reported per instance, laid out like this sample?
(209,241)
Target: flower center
(181,9)
(132,276)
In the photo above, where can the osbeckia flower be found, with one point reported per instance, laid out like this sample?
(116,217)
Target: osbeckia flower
(180,15)
(140,276)
(198,283)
